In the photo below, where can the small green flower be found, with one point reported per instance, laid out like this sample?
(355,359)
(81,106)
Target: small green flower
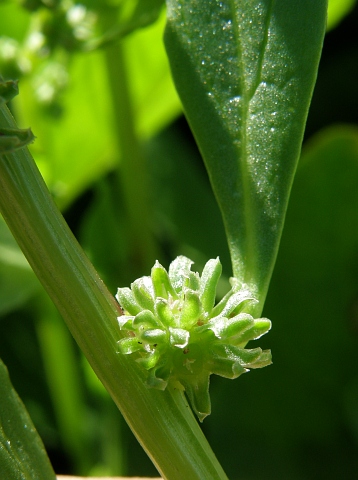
(171,321)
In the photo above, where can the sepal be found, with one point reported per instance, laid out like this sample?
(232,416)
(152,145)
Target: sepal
(164,312)
(145,320)
(125,321)
(227,328)
(191,308)
(150,361)
(197,391)
(260,327)
(129,345)
(179,337)
(236,302)
(12,139)
(127,301)
(153,336)
(144,293)
(179,270)
(161,283)
(208,283)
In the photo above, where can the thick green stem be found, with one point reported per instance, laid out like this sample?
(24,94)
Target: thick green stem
(162,421)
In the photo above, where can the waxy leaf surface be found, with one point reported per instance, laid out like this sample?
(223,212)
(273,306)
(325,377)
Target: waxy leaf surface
(245,73)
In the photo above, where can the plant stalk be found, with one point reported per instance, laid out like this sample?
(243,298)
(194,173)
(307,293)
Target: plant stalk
(162,421)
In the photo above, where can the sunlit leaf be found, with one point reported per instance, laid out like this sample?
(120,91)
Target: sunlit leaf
(245,72)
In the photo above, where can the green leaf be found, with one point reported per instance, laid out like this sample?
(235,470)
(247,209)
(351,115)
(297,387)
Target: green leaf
(22,454)
(245,72)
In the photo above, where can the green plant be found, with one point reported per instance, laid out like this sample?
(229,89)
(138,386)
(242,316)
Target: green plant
(182,336)
(245,76)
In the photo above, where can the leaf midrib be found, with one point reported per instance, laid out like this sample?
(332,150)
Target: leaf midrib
(248,94)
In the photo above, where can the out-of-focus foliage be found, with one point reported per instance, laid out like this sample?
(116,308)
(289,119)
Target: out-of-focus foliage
(60,84)
(17,281)
(22,454)
(299,418)
(337,10)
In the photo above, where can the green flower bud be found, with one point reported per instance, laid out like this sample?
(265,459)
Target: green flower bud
(126,299)
(170,320)
(161,282)
(129,345)
(164,312)
(179,270)
(145,319)
(144,292)
(260,327)
(125,322)
(153,336)
(179,337)
(228,328)
(208,284)
(191,309)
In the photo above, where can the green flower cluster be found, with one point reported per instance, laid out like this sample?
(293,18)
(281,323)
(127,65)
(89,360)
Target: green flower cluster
(181,336)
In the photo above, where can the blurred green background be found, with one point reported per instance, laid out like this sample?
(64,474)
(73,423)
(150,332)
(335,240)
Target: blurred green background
(121,163)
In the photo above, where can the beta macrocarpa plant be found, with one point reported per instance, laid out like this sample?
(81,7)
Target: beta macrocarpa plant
(179,335)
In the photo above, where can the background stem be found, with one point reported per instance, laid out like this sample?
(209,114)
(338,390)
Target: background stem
(131,171)
(64,381)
